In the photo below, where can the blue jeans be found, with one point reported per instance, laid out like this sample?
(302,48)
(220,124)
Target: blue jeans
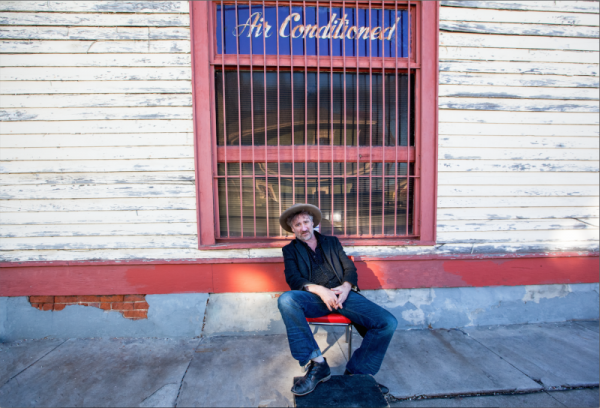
(374,323)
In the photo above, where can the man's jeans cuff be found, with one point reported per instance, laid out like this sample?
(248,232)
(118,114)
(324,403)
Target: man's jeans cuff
(316,353)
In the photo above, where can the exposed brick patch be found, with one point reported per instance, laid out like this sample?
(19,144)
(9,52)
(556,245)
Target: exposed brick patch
(141,305)
(136,314)
(132,307)
(87,298)
(134,298)
(111,298)
(41,299)
(66,299)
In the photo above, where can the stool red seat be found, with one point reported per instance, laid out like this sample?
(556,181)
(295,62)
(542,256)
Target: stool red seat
(331,319)
(335,319)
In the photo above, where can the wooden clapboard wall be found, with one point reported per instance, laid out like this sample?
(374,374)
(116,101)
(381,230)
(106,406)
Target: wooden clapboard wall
(96,132)
(518,125)
(97,143)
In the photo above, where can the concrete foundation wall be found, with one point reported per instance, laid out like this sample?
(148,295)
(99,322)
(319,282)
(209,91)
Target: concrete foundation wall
(190,315)
(252,313)
(178,315)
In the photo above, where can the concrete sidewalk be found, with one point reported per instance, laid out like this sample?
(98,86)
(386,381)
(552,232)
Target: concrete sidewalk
(541,363)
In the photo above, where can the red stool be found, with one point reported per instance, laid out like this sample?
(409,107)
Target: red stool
(335,319)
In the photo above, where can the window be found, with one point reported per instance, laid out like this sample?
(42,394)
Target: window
(319,102)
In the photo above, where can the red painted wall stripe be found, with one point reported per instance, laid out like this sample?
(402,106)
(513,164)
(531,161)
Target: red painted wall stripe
(267,275)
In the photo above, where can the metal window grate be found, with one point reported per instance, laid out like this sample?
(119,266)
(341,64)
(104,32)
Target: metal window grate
(328,121)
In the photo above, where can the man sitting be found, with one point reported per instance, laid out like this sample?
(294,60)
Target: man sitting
(323,280)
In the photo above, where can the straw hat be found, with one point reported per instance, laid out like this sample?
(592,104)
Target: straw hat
(296,209)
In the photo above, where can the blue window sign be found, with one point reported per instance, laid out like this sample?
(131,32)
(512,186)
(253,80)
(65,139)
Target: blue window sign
(385,33)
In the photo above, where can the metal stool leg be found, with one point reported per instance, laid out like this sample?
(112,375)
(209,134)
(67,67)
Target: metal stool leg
(349,339)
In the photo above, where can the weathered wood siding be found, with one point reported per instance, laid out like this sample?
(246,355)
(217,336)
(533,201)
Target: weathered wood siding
(96,130)
(518,127)
(97,143)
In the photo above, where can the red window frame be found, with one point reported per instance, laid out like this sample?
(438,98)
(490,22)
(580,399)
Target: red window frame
(424,59)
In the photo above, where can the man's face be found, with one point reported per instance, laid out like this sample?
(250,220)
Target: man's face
(303,227)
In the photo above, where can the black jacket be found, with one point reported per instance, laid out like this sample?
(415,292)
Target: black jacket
(298,266)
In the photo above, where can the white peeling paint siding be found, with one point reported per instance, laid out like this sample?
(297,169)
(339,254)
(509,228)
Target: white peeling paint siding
(518,127)
(96,131)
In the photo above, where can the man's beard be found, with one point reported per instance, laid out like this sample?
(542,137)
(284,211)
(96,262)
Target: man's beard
(305,237)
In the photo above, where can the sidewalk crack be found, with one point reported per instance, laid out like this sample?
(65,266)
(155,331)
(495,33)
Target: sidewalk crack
(551,396)
(160,388)
(16,375)
(185,373)
(538,381)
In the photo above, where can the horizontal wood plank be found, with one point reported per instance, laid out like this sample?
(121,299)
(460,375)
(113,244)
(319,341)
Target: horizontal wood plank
(148,177)
(123,254)
(577,166)
(106,229)
(535,105)
(104,140)
(99,47)
(494,153)
(517,92)
(96,60)
(567,7)
(495,213)
(541,118)
(595,222)
(531,17)
(520,80)
(77,114)
(540,236)
(101,242)
(97,153)
(520,29)
(93,33)
(129,101)
(520,142)
(98,6)
(95,19)
(99,126)
(537,68)
(98,217)
(512,202)
(518,191)
(150,47)
(515,179)
(533,247)
(512,54)
(524,42)
(42,192)
(517,129)
(94,87)
(99,204)
(94,74)
(90,166)
(512,225)
(36,47)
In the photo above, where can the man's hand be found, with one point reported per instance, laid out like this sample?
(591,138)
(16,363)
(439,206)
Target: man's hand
(342,293)
(328,296)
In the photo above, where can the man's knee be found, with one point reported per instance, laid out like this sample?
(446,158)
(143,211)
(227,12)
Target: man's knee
(286,301)
(391,323)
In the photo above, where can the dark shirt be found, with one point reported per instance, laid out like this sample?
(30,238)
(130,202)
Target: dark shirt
(321,272)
